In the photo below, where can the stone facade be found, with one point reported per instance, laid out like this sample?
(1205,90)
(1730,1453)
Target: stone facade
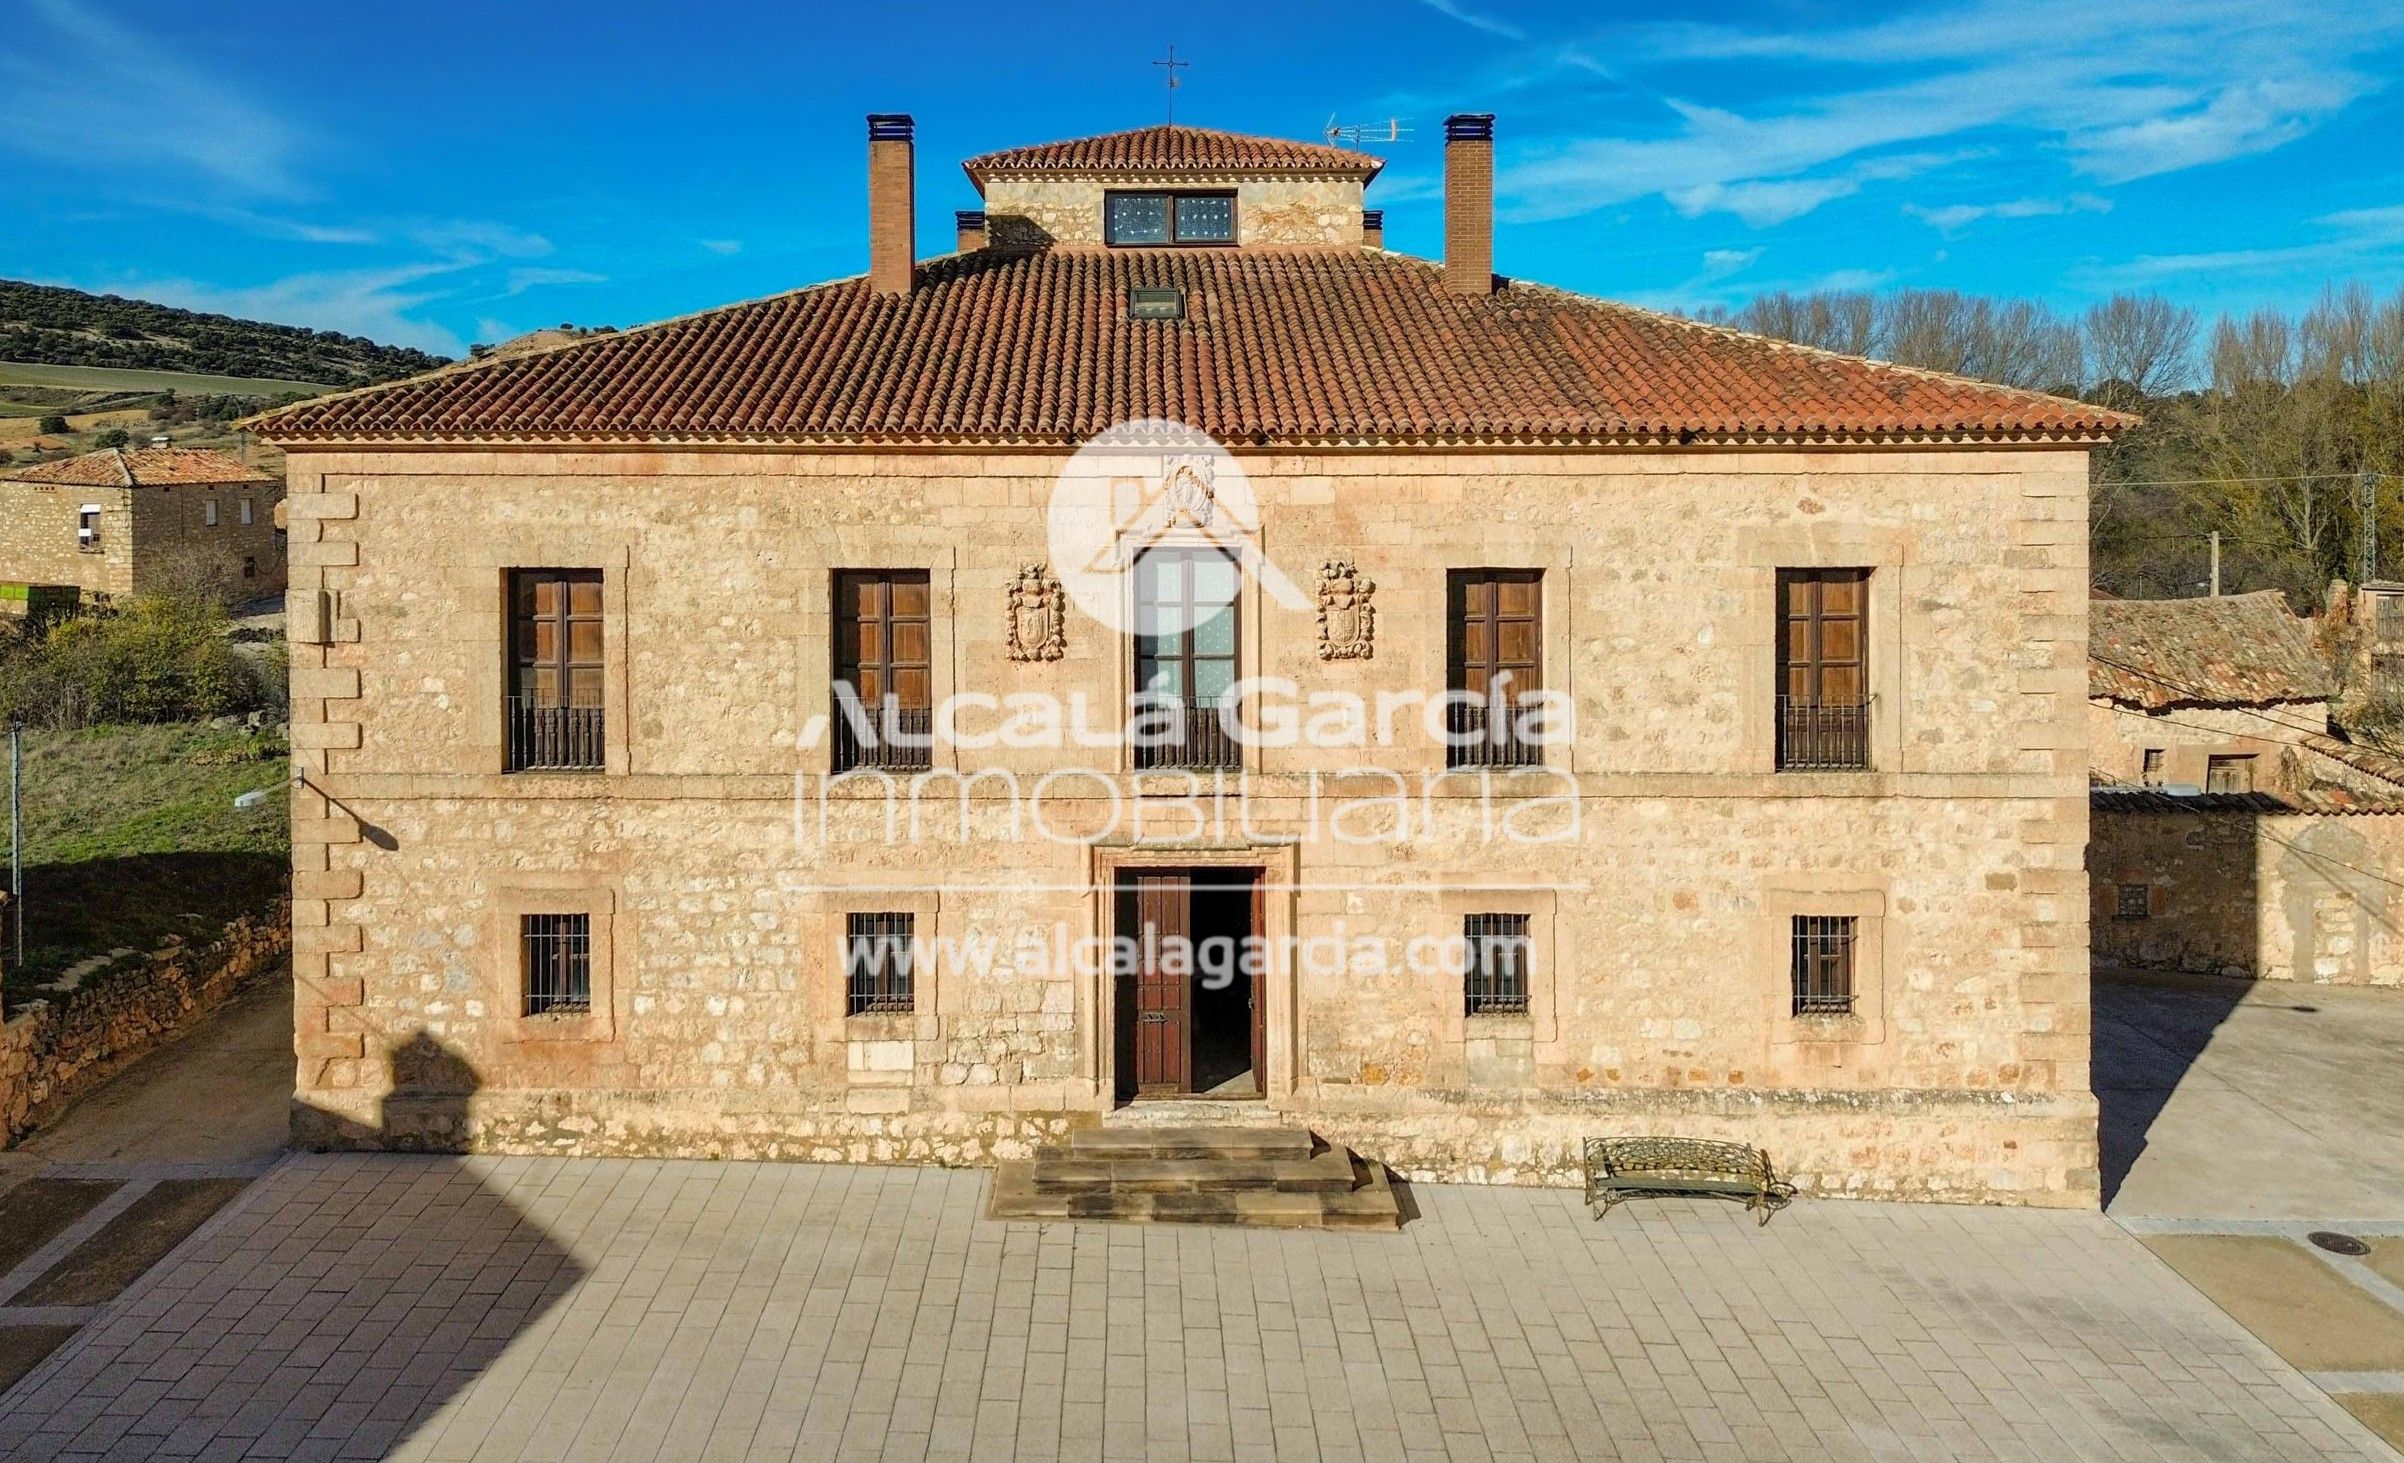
(1025,210)
(716,866)
(150,538)
(2204,885)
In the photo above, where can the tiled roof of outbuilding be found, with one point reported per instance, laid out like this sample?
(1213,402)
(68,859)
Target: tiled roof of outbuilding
(1170,148)
(2234,650)
(1278,346)
(2327,802)
(131,467)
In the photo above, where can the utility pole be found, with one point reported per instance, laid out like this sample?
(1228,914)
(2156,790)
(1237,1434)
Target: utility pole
(2216,563)
(16,844)
(2366,517)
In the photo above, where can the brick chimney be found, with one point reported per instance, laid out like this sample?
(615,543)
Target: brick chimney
(1469,203)
(971,223)
(892,199)
(1373,227)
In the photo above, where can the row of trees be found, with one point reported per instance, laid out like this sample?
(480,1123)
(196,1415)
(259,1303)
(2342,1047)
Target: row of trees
(2263,427)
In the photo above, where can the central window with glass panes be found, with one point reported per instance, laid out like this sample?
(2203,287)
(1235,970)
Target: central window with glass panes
(1185,659)
(1168,218)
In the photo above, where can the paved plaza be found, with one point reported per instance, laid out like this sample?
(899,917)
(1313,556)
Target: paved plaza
(355,1306)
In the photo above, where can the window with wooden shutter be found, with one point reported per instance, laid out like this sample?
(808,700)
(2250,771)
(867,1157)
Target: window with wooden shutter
(1822,964)
(555,954)
(1185,659)
(1494,652)
(557,670)
(1823,669)
(884,669)
(878,963)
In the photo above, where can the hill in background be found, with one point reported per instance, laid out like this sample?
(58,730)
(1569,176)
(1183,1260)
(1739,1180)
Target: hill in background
(46,325)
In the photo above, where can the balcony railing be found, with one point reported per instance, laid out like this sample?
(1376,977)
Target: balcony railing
(1816,736)
(1487,734)
(554,738)
(1191,738)
(896,739)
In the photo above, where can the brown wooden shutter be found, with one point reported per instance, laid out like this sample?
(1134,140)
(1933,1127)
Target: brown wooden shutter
(1496,625)
(883,640)
(1822,642)
(556,635)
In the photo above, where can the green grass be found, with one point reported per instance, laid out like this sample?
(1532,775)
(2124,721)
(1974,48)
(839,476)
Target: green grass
(110,378)
(132,836)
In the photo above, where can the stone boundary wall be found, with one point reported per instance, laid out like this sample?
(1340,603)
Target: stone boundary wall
(2256,896)
(53,1052)
(1981,1147)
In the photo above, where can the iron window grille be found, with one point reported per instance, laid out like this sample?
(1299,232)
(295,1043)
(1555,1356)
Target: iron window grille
(1170,219)
(2136,901)
(1494,966)
(1822,964)
(556,955)
(878,962)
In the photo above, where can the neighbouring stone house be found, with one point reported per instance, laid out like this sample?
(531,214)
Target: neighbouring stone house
(591,855)
(134,520)
(2236,830)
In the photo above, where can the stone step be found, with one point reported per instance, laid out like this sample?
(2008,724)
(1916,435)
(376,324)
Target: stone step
(1119,1144)
(1063,1169)
(1345,1192)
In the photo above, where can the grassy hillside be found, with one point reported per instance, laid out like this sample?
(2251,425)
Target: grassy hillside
(132,836)
(62,327)
(81,381)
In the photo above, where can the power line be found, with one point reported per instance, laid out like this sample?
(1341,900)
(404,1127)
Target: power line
(2284,477)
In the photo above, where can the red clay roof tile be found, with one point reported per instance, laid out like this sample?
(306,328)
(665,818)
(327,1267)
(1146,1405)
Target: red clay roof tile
(1296,345)
(131,467)
(1169,148)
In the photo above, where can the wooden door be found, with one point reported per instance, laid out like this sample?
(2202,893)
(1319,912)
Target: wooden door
(1258,985)
(1164,911)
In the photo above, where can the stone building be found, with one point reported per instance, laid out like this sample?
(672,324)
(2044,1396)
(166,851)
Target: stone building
(134,520)
(1752,802)
(2237,830)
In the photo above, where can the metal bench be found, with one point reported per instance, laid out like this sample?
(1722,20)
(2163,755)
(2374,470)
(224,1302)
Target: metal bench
(1621,1168)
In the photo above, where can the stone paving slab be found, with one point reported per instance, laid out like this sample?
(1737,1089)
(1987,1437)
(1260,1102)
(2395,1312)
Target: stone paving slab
(372,1305)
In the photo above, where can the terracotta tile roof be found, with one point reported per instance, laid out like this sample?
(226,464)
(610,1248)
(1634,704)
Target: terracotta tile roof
(1302,345)
(2236,650)
(130,467)
(2328,802)
(1169,148)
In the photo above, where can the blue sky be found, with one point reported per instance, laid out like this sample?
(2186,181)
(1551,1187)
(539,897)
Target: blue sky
(438,173)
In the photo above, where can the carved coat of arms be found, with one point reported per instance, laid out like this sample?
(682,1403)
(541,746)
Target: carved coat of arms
(1189,489)
(1347,621)
(1038,628)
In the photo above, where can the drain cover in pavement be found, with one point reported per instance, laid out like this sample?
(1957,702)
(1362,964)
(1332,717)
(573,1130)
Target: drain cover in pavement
(2338,1244)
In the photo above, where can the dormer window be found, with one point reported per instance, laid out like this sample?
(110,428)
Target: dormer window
(1168,218)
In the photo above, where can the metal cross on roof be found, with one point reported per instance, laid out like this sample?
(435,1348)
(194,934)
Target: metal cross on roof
(1172,65)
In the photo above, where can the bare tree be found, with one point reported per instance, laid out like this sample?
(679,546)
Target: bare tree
(2143,344)
(2258,350)
(1846,322)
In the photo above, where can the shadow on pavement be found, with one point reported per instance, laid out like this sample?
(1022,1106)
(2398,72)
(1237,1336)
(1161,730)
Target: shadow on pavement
(2148,1033)
(377,1290)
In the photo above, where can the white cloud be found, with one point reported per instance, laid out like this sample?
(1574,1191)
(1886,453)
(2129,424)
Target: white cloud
(376,303)
(79,88)
(1953,217)
(479,238)
(2123,91)
(1720,263)
(2355,237)
(522,280)
(1468,17)
(723,246)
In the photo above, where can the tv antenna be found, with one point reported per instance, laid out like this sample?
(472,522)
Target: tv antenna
(1393,129)
(1173,66)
